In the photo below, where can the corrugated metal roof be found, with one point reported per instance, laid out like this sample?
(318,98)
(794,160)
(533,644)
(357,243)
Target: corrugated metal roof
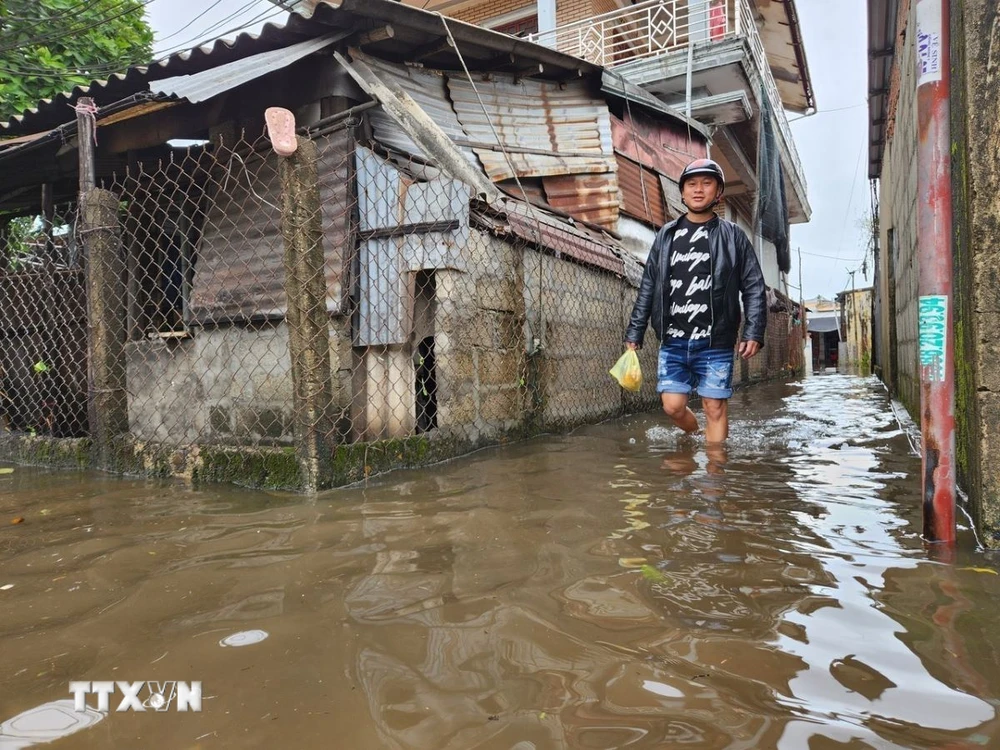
(200,87)
(662,145)
(428,89)
(589,197)
(51,113)
(534,115)
(542,228)
(642,193)
(420,128)
(614,84)
(559,133)
(882,35)
(415,29)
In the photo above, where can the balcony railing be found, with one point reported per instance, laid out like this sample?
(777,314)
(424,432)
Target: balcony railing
(657,28)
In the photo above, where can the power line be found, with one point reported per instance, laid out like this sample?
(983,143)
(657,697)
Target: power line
(826,111)
(107,69)
(265,15)
(186,44)
(831,257)
(44,40)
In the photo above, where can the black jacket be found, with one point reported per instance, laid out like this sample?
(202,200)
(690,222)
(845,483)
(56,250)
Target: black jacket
(735,273)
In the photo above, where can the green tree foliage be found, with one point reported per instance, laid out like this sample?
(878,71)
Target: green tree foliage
(49,46)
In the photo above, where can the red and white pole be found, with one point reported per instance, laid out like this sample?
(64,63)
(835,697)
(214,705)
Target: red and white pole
(934,253)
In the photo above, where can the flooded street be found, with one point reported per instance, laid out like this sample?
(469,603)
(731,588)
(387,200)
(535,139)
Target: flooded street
(615,587)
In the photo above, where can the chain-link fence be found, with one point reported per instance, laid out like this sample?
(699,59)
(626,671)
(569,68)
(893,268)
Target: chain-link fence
(307,320)
(43,326)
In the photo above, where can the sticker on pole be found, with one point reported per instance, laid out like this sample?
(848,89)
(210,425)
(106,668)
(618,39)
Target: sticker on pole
(928,42)
(933,336)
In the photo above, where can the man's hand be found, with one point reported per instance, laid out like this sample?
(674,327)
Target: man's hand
(631,345)
(749,349)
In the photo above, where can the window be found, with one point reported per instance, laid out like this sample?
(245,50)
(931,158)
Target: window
(519,27)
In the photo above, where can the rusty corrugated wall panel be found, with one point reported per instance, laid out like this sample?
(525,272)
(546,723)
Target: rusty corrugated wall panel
(428,89)
(642,192)
(239,270)
(572,126)
(567,131)
(663,145)
(542,228)
(590,197)
(335,153)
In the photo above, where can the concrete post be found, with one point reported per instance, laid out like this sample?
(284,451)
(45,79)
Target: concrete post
(307,317)
(106,296)
(936,306)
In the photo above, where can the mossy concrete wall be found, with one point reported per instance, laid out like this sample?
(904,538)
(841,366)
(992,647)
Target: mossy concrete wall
(976,189)
(975,151)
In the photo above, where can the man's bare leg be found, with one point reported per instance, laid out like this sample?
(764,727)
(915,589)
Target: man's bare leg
(675,406)
(716,419)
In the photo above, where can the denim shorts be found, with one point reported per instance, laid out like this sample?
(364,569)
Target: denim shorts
(685,365)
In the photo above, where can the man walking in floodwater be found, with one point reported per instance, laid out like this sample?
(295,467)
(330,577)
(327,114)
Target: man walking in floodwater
(698,269)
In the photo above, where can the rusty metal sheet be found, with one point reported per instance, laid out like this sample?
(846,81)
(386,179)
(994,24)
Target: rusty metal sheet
(429,90)
(562,135)
(239,271)
(417,123)
(334,167)
(590,197)
(672,196)
(548,231)
(538,116)
(662,145)
(642,192)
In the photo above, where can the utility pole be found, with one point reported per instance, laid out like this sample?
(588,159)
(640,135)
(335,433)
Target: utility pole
(934,253)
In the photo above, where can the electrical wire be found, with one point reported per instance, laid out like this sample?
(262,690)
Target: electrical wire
(74,31)
(106,70)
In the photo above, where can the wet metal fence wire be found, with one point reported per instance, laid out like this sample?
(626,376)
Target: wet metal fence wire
(304,321)
(43,325)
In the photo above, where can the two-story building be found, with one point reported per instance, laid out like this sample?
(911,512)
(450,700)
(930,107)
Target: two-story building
(732,65)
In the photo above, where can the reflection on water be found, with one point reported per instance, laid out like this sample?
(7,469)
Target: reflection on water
(44,724)
(617,587)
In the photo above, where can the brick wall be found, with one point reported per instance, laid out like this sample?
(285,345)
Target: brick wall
(898,228)
(477,14)
(567,11)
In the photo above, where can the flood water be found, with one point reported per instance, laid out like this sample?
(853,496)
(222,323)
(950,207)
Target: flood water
(611,588)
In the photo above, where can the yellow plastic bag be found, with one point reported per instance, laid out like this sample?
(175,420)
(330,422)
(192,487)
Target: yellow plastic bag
(627,371)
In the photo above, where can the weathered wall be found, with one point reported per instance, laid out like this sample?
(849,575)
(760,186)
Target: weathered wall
(976,183)
(581,312)
(976,235)
(229,385)
(856,312)
(898,228)
(479,341)
(525,340)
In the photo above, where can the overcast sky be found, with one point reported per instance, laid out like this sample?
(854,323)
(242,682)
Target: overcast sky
(831,143)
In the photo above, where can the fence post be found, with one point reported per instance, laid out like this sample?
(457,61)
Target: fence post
(108,397)
(307,316)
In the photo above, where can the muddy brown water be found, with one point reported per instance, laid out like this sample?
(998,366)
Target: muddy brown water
(611,588)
